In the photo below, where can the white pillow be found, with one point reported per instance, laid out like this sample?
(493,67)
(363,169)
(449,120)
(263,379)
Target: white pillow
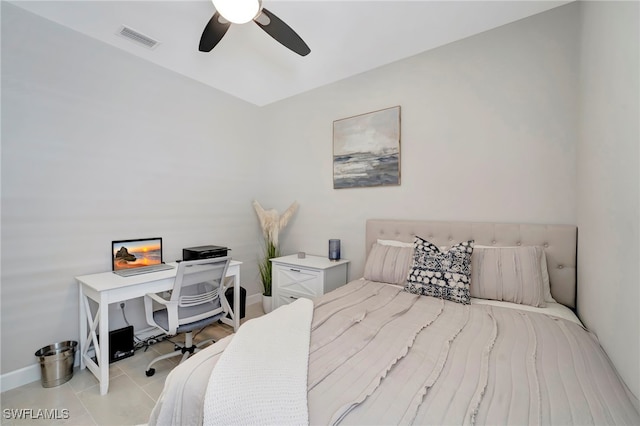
(394,243)
(545,272)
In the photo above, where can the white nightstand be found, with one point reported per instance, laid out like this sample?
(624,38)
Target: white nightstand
(310,277)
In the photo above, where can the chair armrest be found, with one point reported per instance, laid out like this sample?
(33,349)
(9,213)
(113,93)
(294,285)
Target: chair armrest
(157,298)
(171,306)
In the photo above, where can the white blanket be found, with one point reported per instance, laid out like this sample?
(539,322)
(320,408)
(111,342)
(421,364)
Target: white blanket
(261,378)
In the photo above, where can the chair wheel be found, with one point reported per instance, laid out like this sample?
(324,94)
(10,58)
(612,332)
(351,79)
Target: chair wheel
(150,372)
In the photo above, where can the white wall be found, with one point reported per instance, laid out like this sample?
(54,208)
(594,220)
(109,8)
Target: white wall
(489,132)
(608,211)
(99,145)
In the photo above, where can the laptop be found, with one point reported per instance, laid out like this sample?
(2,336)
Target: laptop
(134,257)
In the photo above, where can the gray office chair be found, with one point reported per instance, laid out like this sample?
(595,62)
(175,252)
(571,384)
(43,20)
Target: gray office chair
(197,300)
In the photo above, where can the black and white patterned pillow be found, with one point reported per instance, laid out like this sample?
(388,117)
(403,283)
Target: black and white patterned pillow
(442,274)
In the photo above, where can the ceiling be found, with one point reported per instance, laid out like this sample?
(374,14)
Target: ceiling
(345,37)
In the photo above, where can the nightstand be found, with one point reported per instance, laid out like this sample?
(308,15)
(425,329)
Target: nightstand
(310,277)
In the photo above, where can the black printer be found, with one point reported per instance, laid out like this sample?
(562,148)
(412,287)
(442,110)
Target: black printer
(203,252)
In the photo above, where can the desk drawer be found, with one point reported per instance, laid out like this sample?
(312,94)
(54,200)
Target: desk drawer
(298,281)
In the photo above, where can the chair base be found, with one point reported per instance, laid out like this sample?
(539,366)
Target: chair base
(186,351)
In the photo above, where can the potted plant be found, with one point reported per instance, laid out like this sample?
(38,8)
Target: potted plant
(271,223)
(264,266)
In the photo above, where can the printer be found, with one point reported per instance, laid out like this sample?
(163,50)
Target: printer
(203,252)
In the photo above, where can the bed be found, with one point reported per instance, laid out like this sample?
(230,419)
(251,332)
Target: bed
(383,350)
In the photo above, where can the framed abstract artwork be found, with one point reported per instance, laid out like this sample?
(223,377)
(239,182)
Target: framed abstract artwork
(366,149)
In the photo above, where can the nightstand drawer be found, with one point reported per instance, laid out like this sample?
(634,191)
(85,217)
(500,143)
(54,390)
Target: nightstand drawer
(307,277)
(285,297)
(300,282)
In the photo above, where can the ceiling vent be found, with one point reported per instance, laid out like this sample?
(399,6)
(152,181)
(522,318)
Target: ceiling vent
(138,37)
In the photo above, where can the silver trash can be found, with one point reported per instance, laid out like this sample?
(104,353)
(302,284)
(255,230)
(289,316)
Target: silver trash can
(56,363)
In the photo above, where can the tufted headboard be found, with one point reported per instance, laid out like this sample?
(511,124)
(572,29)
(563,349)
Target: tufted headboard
(559,243)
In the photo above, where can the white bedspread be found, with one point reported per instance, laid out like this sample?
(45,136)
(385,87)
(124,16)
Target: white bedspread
(261,378)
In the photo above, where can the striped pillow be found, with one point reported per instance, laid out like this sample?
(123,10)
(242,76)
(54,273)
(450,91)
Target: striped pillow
(510,274)
(388,264)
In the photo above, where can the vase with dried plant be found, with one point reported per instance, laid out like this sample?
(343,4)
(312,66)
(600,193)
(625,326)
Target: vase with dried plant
(271,223)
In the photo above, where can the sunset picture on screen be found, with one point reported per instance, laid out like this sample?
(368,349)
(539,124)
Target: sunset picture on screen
(135,254)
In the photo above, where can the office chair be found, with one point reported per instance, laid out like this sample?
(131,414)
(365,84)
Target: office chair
(197,300)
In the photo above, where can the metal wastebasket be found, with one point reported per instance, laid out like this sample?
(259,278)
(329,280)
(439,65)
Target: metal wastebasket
(56,363)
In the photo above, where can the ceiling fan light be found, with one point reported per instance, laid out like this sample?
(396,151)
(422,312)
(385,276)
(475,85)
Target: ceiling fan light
(237,11)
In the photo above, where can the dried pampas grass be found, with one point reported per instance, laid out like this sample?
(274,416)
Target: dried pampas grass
(272,222)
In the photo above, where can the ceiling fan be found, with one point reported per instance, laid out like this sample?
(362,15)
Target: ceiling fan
(243,11)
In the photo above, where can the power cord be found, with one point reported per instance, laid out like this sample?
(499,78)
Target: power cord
(135,338)
(152,340)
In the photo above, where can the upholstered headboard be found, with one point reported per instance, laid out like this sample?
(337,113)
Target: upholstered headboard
(559,242)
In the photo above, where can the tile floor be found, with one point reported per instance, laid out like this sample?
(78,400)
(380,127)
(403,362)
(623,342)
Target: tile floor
(131,396)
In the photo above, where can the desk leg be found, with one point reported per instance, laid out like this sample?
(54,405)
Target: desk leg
(103,356)
(234,321)
(236,302)
(83,327)
(98,325)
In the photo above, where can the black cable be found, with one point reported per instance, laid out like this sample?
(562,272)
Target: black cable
(125,320)
(123,315)
(145,343)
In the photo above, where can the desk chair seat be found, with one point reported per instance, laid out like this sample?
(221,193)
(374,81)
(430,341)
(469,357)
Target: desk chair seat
(197,300)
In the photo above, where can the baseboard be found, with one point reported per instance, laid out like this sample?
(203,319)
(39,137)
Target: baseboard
(17,378)
(254,298)
(23,376)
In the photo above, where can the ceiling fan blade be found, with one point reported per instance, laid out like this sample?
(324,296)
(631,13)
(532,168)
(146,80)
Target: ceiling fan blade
(283,33)
(213,33)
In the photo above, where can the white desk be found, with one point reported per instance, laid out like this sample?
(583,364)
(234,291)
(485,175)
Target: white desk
(106,288)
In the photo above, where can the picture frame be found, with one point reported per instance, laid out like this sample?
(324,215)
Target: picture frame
(366,149)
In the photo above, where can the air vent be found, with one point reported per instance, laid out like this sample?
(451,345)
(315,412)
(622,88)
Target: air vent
(138,37)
